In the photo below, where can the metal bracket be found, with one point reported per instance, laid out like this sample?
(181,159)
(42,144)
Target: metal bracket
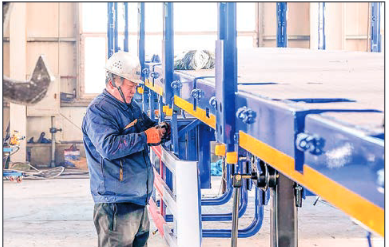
(154,74)
(213,102)
(312,143)
(246,115)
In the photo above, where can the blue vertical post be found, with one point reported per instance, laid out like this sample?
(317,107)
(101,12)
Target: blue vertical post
(168,53)
(142,53)
(226,74)
(110,28)
(282,35)
(116,26)
(375,45)
(321,26)
(125,42)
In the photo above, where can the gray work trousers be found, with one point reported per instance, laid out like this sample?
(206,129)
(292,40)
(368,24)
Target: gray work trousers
(121,224)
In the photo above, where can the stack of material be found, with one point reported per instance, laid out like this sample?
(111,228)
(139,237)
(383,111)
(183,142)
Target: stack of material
(194,60)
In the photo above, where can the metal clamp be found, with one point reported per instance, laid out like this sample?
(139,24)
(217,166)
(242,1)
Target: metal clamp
(213,102)
(246,115)
(145,72)
(312,143)
(197,94)
(176,84)
(154,75)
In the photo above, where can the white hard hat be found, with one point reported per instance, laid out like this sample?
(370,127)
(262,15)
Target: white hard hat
(124,65)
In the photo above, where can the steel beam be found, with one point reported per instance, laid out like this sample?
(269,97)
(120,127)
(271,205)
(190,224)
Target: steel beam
(375,45)
(282,34)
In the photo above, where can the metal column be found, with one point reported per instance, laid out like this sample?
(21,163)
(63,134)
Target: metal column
(283,214)
(125,42)
(282,34)
(168,53)
(321,26)
(110,28)
(226,64)
(116,27)
(375,45)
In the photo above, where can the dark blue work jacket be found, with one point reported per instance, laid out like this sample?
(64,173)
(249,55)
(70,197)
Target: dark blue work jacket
(119,165)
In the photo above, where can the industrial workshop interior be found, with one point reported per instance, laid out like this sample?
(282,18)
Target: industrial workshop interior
(191,124)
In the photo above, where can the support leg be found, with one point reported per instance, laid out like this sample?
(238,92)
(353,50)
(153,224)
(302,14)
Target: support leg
(283,214)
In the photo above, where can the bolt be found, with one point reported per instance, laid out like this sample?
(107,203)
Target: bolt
(213,102)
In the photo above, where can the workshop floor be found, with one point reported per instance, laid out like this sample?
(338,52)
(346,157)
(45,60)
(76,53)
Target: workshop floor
(58,212)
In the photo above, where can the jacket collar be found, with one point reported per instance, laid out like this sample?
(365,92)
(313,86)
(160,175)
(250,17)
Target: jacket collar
(117,102)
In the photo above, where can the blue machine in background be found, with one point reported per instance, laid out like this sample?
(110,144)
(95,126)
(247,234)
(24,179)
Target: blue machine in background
(277,149)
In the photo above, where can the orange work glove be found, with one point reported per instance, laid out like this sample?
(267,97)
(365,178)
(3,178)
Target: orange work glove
(153,135)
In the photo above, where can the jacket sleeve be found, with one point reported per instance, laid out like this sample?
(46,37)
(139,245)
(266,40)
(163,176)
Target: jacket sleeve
(148,123)
(104,133)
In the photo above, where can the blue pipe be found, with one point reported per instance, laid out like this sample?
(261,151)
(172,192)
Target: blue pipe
(228,216)
(116,27)
(223,199)
(222,217)
(125,41)
(282,34)
(249,231)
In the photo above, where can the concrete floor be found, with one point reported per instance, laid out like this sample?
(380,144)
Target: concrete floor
(58,212)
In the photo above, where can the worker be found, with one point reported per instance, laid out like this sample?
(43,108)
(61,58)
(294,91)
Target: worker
(116,136)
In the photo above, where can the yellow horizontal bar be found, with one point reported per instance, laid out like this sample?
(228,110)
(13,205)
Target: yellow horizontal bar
(348,201)
(199,113)
(156,88)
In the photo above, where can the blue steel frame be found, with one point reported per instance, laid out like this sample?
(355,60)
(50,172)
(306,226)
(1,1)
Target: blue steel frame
(226,73)
(321,26)
(276,132)
(282,30)
(116,26)
(375,27)
(125,41)
(110,28)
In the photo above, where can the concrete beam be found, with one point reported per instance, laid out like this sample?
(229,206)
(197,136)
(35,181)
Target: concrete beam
(18,45)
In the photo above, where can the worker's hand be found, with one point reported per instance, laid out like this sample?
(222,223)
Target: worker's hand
(154,135)
(166,127)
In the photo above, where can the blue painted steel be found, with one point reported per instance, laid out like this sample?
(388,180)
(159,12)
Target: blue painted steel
(174,130)
(223,199)
(110,28)
(168,53)
(223,217)
(249,231)
(116,27)
(10,173)
(141,35)
(227,216)
(375,27)
(125,41)
(321,26)
(189,127)
(226,65)
(349,157)
(368,236)
(205,136)
(282,34)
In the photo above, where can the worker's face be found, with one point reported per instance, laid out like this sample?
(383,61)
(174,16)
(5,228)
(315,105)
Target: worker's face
(128,89)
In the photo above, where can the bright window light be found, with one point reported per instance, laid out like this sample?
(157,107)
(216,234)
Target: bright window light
(94,79)
(188,17)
